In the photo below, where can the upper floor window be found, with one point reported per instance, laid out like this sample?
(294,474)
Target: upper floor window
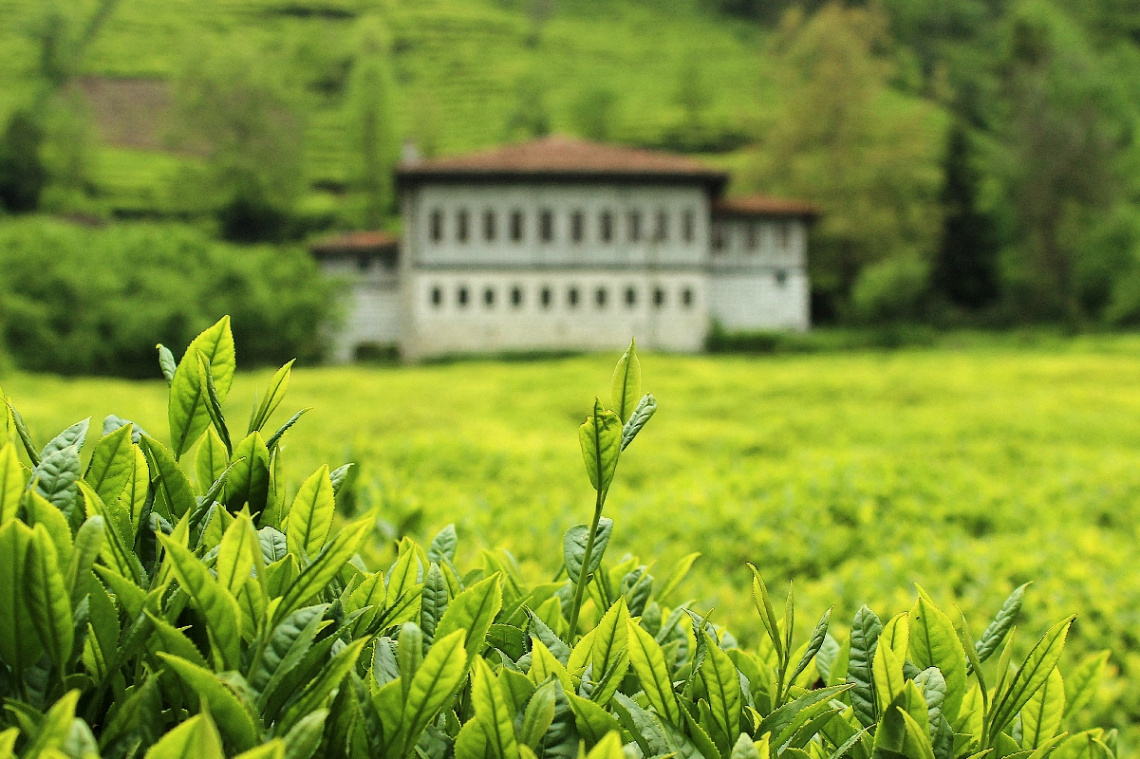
(577,226)
(437,296)
(752,235)
(600,297)
(659,297)
(546,225)
(516,225)
(545,297)
(689,225)
(630,296)
(489,297)
(462,220)
(516,296)
(781,278)
(572,297)
(687,297)
(436,225)
(461,297)
(784,234)
(718,239)
(635,226)
(661,228)
(489,225)
(606,226)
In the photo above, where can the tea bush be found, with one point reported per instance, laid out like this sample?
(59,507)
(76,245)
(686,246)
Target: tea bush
(142,616)
(81,300)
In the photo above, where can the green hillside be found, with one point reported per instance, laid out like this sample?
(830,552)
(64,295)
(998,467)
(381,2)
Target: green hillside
(461,68)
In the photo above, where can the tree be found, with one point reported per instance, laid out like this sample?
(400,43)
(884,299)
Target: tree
(1060,133)
(530,117)
(965,269)
(867,156)
(373,124)
(595,113)
(236,112)
(22,171)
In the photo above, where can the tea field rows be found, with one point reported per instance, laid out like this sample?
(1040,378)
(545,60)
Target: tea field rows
(966,470)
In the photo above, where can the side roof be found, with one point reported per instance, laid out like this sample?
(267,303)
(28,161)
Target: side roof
(564,159)
(350,243)
(763,206)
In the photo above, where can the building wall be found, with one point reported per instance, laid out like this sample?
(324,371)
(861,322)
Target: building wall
(666,310)
(648,225)
(758,275)
(373,305)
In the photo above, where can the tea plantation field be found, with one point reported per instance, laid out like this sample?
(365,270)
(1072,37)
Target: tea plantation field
(968,470)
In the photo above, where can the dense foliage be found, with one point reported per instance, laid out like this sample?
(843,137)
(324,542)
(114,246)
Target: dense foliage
(150,617)
(80,300)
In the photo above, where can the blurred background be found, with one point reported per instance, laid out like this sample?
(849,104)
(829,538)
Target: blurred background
(974,160)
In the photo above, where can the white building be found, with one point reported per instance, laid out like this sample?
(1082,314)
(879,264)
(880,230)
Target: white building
(563,244)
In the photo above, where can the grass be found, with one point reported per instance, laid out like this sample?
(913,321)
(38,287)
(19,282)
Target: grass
(968,467)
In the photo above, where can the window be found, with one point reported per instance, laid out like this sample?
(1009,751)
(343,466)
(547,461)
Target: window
(516,226)
(546,225)
(461,297)
(600,297)
(546,296)
(784,233)
(572,297)
(751,235)
(661,230)
(689,225)
(362,262)
(516,296)
(634,226)
(436,225)
(781,278)
(577,226)
(659,297)
(462,219)
(606,226)
(630,297)
(687,297)
(437,296)
(718,239)
(489,297)
(489,225)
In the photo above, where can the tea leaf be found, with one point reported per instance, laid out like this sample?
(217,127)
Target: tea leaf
(248,480)
(722,682)
(645,410)
(278,385)
(287,646)
(995,633)
(574,547)
(1041,717)
(860,675)
(196,738)
(1032,675)
(437,679)
(213,404)
(648,662)
(187,412)
(1083,681)
(173,494)
(220,609)
(492,712)
(600,439)
(11,482)
(112,464)
(210,460)
(19,643)
(234,721)
(88,542)
(317,692)
(324,568)
(166,363)
(934,643)
(56,476)
(625,387)
(311,515)
(47,598)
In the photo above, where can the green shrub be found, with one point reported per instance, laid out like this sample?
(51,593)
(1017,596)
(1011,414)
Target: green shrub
(80,300)
(894,290)
(145,616)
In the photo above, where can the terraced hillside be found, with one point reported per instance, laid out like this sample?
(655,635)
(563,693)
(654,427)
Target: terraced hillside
(461,66)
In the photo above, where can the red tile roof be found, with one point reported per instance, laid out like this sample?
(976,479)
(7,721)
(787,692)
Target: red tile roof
(762,205)
(355,242)
(565,158)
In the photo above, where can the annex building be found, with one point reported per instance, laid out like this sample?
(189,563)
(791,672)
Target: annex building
(564,244)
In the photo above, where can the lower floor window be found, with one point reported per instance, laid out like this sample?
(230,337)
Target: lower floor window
(516,296)
(437,296)
(630,297)
(489,297)
(687,297)
(572,297)
(781,277)
(659,297)
(461,296)
(600,297)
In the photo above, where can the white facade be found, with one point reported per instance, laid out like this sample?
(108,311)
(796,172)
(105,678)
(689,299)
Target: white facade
(548,260)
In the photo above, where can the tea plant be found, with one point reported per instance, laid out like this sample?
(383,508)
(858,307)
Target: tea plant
(143,616)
